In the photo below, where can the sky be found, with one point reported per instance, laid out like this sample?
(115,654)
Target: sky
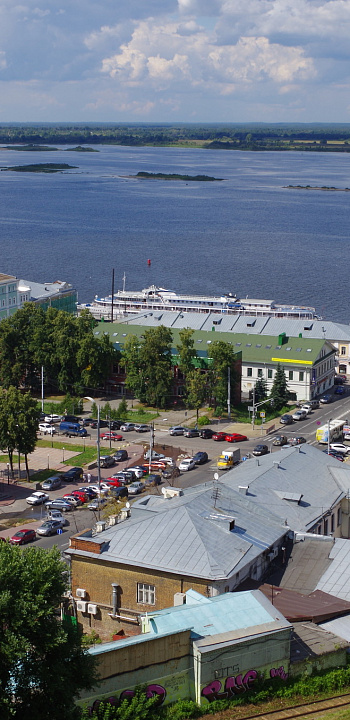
(175,61)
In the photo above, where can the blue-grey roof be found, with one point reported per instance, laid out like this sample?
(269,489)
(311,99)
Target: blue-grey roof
(339,626)
(213,616)
(190,536)
(272,326)
(336,579)
(304,470)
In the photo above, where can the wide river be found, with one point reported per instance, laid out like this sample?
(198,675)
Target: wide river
(247,234)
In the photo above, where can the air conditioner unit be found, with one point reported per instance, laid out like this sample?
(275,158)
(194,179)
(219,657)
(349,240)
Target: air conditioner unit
(92,608)
(81,606)
(81,593)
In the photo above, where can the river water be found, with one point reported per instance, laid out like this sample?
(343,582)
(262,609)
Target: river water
(247,234)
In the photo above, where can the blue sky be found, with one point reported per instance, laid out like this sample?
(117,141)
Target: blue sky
(175,60)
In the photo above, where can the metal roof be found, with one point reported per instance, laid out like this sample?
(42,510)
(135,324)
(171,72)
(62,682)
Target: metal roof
(213,616)
(336,578)
(191,534)
(338,626)
(304,470)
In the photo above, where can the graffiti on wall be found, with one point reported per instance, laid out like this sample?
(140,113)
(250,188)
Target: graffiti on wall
(150,691)
(234,685)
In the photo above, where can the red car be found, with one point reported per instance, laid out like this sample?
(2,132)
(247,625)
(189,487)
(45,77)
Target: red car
(23,536)
(235,437)
(110,436)
(80,495)
(113,482)
(219,436)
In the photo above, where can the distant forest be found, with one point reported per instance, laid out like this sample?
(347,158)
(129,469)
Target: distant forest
(251,136)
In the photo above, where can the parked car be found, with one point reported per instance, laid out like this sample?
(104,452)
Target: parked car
(120,455)
(187,464)
(155,455)
(200,458)
(119,493)
(71,418)
(219,436)
(110,435)
(191,433)
(72,429)
(176,430)
(107,461)
(23,536)
(46,428)
(89,492)
(170,472)
(52,483)
(339,390)
(53,418)
(286,419)
(74,500)
(138,471)
(299,415)
(335,454)
(280,440)
(307,408)
(73,474)
(124,477)
(59,504)
(97,503)
(206,433)
(235,437)
(115,482)
(340,447)
(326,399)
(260,450)
(102,490)
(152,480)
(127,427)
(136,487)
(141,428)
(84,497)
(37,498)
(103,423)
(50,527)
(56,515)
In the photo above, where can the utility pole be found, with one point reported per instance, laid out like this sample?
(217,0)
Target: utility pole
(151,443)
(229,393)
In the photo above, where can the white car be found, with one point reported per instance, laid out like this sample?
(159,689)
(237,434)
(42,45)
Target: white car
(127,427)
(47,428)
(138,473)
(53,418)
(104,488)
(155,455)
(37,498)
(177,430)
(307,408)
(187,464)
(340,447)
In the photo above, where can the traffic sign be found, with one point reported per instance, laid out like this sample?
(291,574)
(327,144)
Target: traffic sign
(250,408)
(59,531)
(262,414)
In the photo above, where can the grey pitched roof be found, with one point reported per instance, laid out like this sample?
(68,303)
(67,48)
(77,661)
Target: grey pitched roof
(302,470)
(336,578)
(188,535)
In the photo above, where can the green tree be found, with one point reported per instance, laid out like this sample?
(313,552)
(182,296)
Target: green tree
(156,366)
(122,410)
(279,391)
(42,664)
(222,360)
(186,351)
(260,390)
(132,363)
(19,416)
(196,389)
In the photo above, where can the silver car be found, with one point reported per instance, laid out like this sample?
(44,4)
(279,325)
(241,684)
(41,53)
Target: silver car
(50,527)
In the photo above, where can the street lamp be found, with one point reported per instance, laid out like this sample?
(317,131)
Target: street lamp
(86,397)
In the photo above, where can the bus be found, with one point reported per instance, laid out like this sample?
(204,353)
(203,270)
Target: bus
(335,431)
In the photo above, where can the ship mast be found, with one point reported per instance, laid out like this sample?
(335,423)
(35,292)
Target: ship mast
(124,278)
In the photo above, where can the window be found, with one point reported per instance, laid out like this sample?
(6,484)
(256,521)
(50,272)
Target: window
(332,523)
(301,376)
(249,372)
(343,350)
(339,516)
(325,527)
(290,375)
(146,594)
(269,373)
(260,373)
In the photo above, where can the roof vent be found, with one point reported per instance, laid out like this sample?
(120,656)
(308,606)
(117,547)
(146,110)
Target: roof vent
(243,489)
(169,492)
(276,463)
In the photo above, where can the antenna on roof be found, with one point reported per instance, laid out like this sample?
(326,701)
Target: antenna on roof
(216,489)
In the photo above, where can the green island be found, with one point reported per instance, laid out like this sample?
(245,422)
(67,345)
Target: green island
(41,167)
(175,176)
(80,148)
(30,148)
(315,187)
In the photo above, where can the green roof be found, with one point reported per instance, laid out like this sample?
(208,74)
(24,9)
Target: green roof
(254,348)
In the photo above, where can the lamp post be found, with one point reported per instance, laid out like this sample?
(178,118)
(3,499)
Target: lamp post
(86,397)
(328,435)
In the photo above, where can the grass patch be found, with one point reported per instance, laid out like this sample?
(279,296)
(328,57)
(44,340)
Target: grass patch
(241,414)
(42,475)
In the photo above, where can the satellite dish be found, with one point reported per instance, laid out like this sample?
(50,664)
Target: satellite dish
(127,505)
(216,476)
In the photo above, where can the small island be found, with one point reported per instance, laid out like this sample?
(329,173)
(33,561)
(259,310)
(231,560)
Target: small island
(30,148)
(41,167)
(80,148)
(174,176)
(315,187)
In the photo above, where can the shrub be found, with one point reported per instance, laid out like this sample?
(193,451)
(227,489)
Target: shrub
(184,709)
(203,420)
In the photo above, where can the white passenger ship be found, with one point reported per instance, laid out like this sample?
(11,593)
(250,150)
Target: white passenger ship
(154,298)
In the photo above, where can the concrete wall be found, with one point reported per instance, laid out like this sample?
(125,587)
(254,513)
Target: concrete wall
(335,659)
